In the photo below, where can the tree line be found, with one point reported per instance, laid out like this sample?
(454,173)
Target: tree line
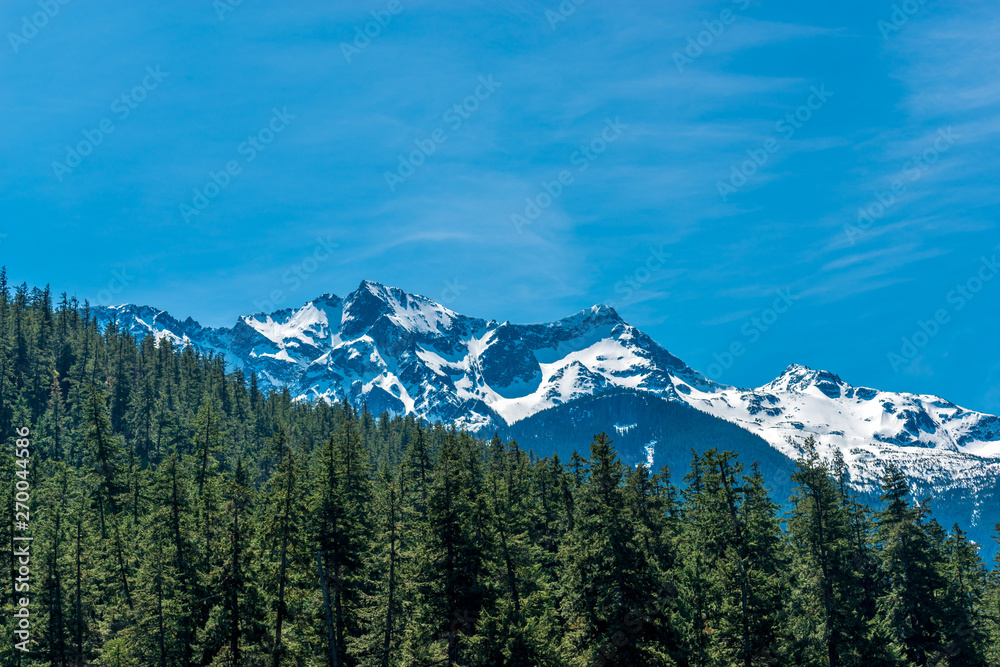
(181,516)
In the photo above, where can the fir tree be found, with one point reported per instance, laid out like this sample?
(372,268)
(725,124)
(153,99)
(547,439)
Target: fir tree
(912,573)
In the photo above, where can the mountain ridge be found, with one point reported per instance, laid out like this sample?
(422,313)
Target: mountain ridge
(403,352)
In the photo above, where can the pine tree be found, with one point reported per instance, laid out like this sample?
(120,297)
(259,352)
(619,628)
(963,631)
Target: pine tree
(829,610)
(82,585)
(696,594)
(650,506)
(609,592)
(992,613)
(7,382)
(766,562)
(381,643)
(288,577)
(733,589)
(447,564)
(912,573)
(208,438)
(53,535)
(234,630)
(341,507)
(105,458)
(964,619)
(171,579)
(53,427)
(517,586)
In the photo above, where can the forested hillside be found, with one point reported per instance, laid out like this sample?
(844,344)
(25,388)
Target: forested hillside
(179,516)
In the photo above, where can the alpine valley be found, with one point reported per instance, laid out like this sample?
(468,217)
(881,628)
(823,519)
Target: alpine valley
(553,386)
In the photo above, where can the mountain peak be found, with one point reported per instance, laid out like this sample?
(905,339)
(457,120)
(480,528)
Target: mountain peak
(328,298)
(588,318)
(373,286)
(372,301)
(603,309)
(369,290)
(797,377)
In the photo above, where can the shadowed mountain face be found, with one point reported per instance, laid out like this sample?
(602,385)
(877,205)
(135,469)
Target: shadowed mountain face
(401,352)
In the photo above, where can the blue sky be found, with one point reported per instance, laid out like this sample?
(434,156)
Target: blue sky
(649,112)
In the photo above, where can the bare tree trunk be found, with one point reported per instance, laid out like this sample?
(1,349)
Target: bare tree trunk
(334,660)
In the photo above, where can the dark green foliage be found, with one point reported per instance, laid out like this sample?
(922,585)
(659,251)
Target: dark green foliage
(613,599)
(182,517)
(828,566)
(732,573)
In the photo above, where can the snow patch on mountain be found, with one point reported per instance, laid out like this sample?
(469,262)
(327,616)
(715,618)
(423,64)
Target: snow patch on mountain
(869,427)
(650,449)
(621,429)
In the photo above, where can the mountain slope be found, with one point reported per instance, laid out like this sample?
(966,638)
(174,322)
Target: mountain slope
(402,352)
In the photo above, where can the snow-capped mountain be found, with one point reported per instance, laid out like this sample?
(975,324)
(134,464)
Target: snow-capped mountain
(405,353)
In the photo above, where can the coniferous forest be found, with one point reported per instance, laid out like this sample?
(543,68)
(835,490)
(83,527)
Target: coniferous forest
(180,516)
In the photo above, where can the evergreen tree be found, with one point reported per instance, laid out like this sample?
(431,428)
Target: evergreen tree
(965,614)
(992,606)
(609,591)
(381,643)
(828,606)
(287,561)
(341,502)
(447,564)
(106,460)
(912,573)
(234,631)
